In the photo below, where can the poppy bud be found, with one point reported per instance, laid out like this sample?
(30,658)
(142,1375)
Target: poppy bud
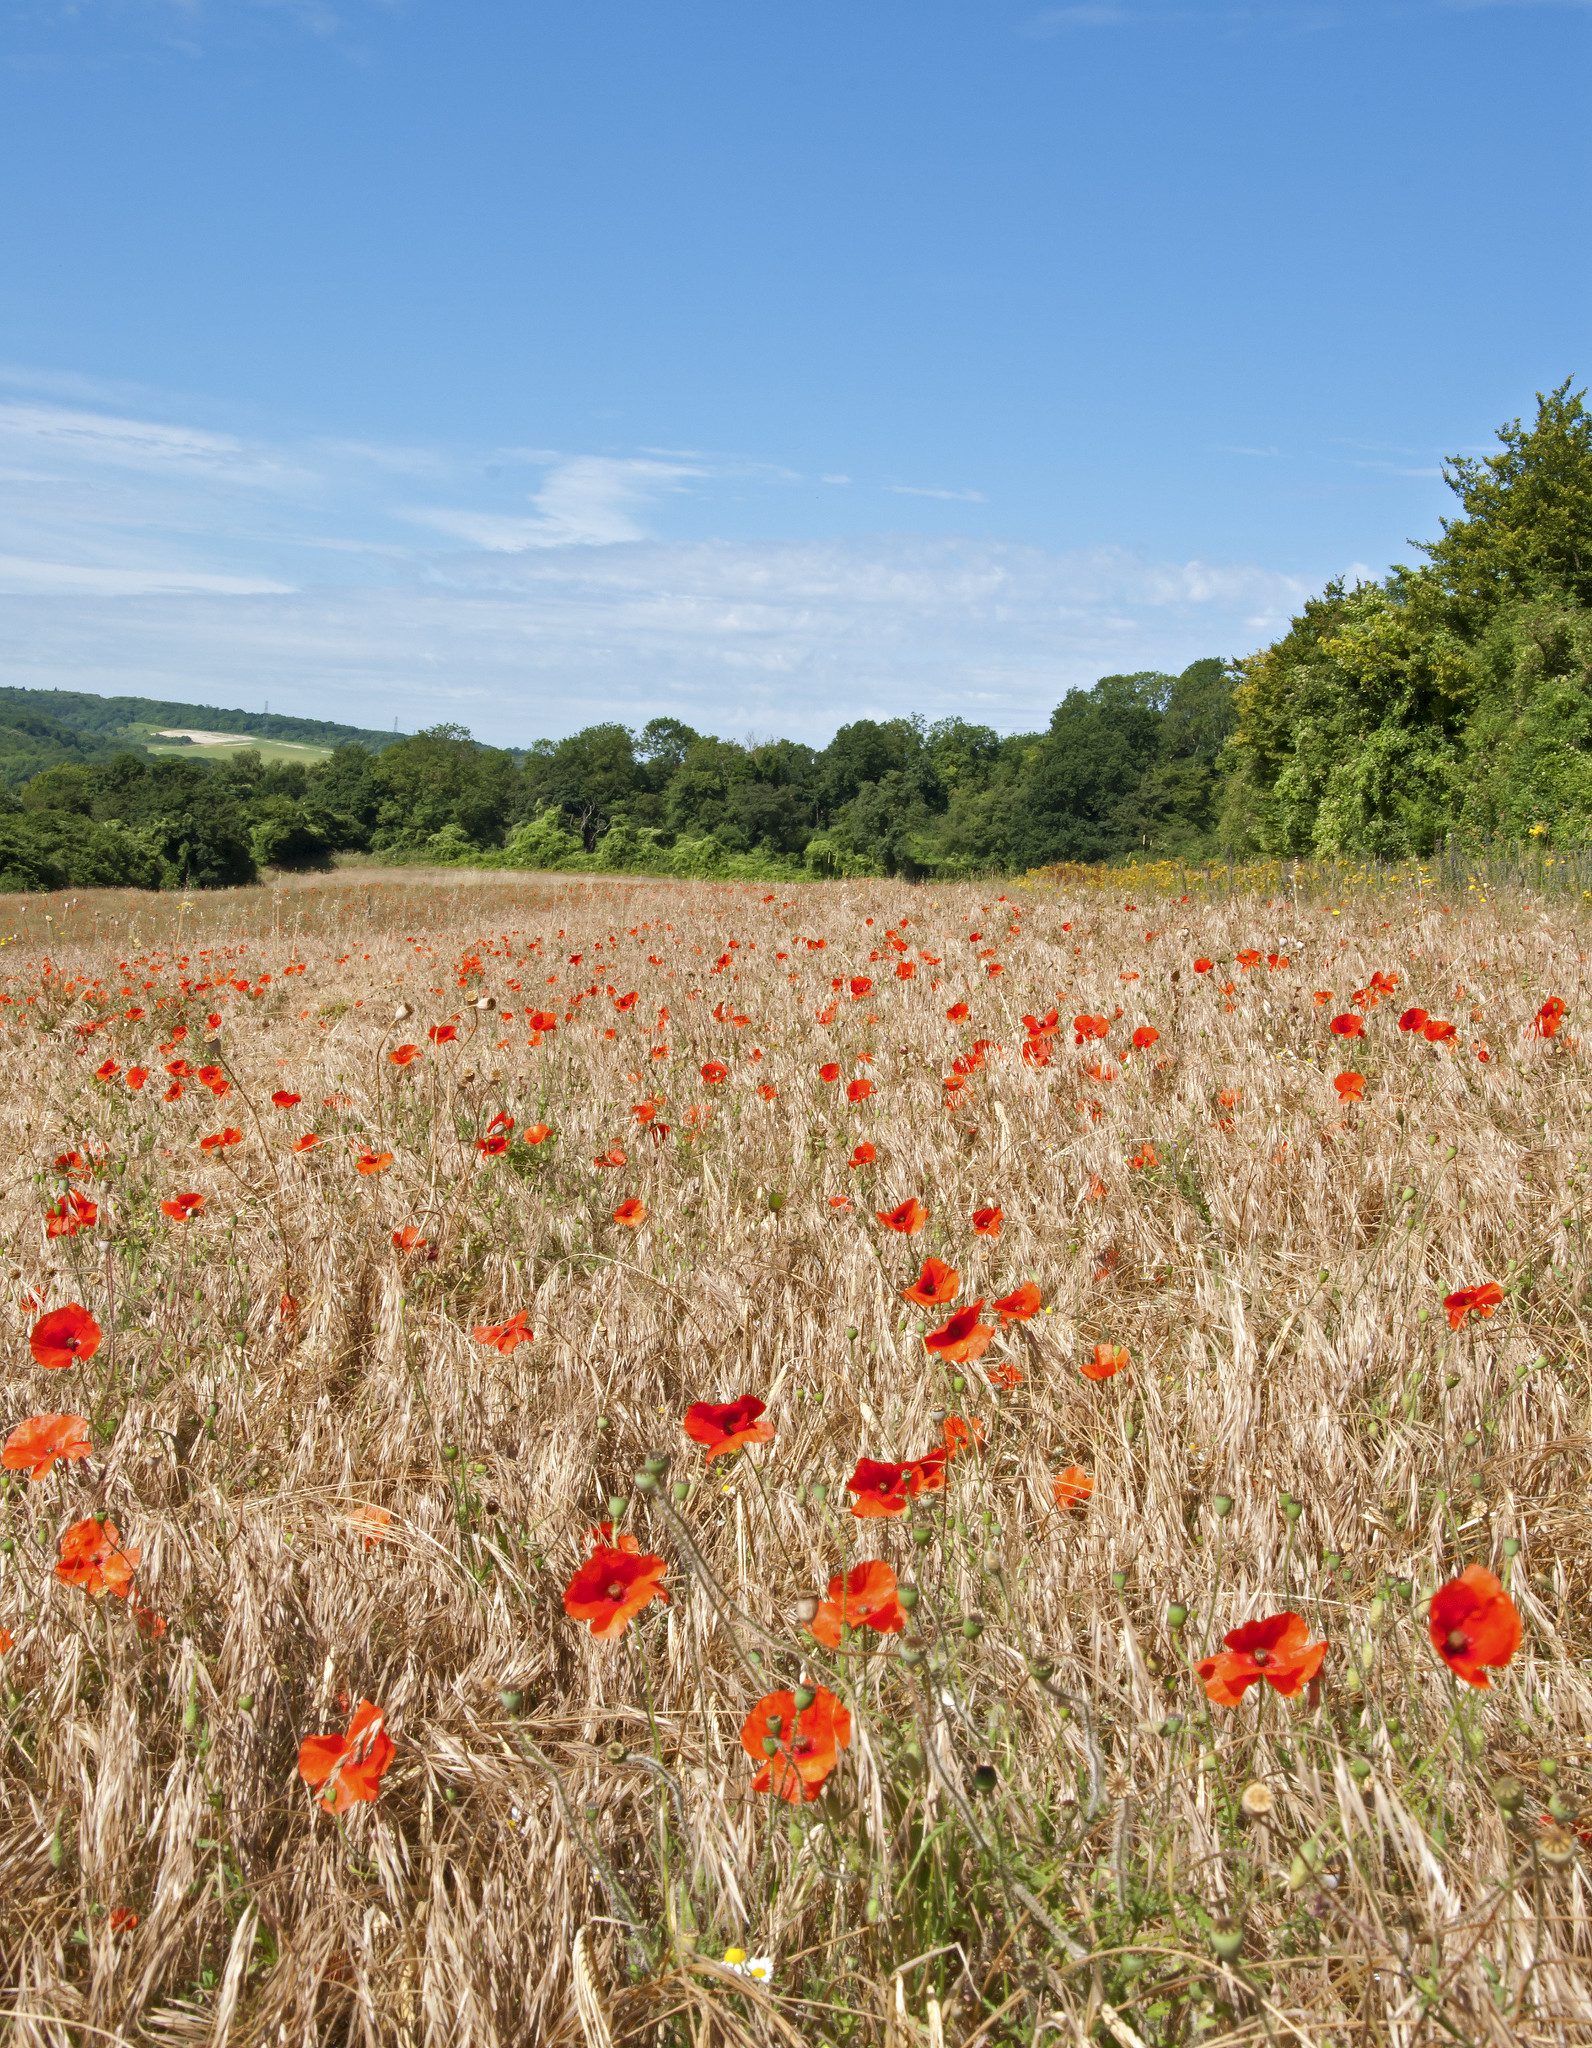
(806,1608)
(680,1490)
(1119,1581)
(1292,1508)
(646,1482)
(1548,1767)
(1331,1560)
(1511,1546)
(804,1696)
(1562,1808)
(617,1504)
(907,1598)
(818,1491)
(245,1702)
(1359,1768)
(1225,1939)
(1176,1614)
(591,1811)
(973,1627)
(602,1422)
(656,1461)
(1221,1505)
(776,1201)
(1172,1725)
(450,1452)
(510,1700)
(923,1535)
(57,1850)
(958,1383)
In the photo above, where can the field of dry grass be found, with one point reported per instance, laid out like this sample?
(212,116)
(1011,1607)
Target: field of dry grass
(329,1487)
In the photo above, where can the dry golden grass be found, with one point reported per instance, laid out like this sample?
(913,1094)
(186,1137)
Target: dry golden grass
(1038,1831)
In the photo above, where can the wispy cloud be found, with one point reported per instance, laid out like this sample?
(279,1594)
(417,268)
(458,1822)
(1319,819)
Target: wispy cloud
(528,590)
(936,491)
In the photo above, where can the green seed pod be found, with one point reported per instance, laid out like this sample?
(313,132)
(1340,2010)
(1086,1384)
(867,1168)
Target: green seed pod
(908,1597)
(646,1482)
(973,1627)
(770,1746)
(245,1702)
(1225,1939)
(617,1504)
(804,1695)
(510,1699)
(1221,1505)
(1176,1615)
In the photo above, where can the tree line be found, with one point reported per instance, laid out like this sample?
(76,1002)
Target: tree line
(1452,699)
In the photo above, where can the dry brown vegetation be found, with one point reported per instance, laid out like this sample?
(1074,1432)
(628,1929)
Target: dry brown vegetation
(1041,1829)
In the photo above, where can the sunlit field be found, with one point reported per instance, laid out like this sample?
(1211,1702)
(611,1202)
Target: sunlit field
(597,1462)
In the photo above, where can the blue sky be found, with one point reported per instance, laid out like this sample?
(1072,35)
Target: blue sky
(768,364)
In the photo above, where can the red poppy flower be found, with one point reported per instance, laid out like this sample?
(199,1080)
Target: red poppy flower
(404,1055)
(506,1337)
(1278,1650)
(1108,1360)
(1474,1624)
(1549,1018)
(937,1284)
(180,1207)
(859,1090)
(442,1034)
(714,1071)
(352,1766)
(1020,1305)
(221,1141)
(372,1162)
(41,1443)
(797,1749)
(860,986)
(963,1338)
(1350,1086)
(64,1337)
(91,1556)
(135,1077)
(1412,1020)
(107,1070)
(987,1222)
(829,1071)
(612,1587)
(957,1012)
(1348,1025)
(864,1597)
(1438,1031)
(632,1212)
(307,1143)
(728,1425)
(1071,1488)
(908,1217)
(493,1146)
(121,1920)
(1145,1037)
(408,1239)
(883,1488)
(863,1155)
(284,1098)
(1479,1301)
(72,1213)
(1203,966)
(1086,1027)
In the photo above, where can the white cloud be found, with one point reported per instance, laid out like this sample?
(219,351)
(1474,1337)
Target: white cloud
(936,491)
(530,591)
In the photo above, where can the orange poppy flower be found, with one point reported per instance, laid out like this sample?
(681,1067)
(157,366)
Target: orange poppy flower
(863,1154)
(181,1207)
(1438,1031)
(7,1641)
(962,1433)
(408,1239)
(221,1141)
(1072,1488)
(714,1071)
(493,1146)
(1108,1360)
(91,1556)
(536,1134)
(859,1090)
(41,1443)
(284,1098)
(442,1034)
(963,1338)
(1467,1301)
(957,1012)
(612,1587)
(352,1766)
(937,1284)
(1277,1650)
(829,1071)
(864,1597)
(1474,1624)
(64,1337)
(908,1217)
(728,1425)
(632,1212)
(506,1337)
(1545,1024)
(1005,1375)
(987,1222)
(372,1162)
(404,1055)
(1020,1305)
(797,1748)
(370,1523)
(135,1077)
(307,1143)
(1350,1086)
(1145,1037)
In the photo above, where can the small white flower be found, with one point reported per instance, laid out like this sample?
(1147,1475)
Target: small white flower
(759,1968)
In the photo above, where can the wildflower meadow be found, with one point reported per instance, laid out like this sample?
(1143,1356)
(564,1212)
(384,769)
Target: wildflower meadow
(630,1461)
